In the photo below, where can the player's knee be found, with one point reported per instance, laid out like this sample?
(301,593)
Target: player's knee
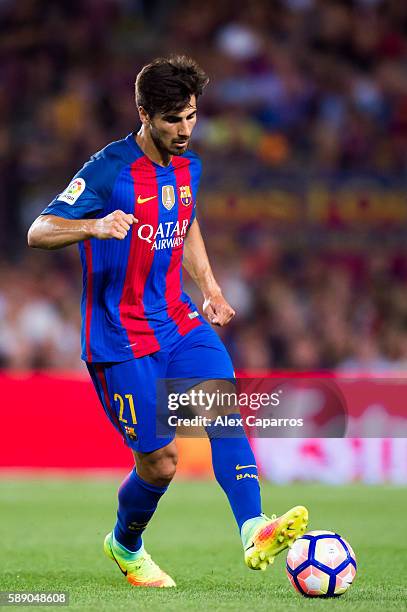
(162,471)
(159,467)
(165,474)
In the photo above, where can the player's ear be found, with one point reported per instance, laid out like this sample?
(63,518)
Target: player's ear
(144,116)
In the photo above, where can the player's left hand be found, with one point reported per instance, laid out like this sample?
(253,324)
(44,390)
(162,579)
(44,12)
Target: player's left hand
(217,310)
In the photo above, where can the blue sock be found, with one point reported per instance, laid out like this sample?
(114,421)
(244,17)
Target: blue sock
(235,469)
(138,500)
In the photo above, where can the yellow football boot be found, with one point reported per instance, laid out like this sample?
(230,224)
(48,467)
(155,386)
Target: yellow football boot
(263,538)
(139,569)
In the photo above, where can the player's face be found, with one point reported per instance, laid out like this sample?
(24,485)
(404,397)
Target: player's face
(171,132)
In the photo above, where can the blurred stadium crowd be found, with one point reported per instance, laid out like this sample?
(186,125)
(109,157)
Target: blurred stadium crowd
(301,88)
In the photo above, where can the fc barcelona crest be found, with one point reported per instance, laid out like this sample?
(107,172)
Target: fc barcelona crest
(130,433)
(185,195)
(168,196)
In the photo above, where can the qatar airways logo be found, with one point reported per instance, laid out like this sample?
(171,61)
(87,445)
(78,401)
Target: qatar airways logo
(167,235)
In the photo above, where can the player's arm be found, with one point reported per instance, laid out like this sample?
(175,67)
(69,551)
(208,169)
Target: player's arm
(53,232)
(196,262)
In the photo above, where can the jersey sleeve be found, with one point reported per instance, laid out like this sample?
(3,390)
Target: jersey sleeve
(86,195)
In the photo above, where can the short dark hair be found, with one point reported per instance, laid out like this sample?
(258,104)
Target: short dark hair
(167,84)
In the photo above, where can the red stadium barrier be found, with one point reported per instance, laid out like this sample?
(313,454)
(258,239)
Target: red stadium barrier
(56,421)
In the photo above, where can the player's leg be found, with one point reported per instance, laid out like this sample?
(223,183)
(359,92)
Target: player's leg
(233,461)
(202,354)
(129,401)
(138,496)
(140,493)
(236,471)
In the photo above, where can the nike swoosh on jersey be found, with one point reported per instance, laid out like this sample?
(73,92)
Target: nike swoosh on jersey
(141,200)
(242,467)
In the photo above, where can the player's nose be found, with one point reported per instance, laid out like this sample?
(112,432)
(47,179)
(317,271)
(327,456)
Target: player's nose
(185,130)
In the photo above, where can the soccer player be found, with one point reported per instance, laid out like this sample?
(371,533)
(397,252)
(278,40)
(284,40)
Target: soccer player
(132,210)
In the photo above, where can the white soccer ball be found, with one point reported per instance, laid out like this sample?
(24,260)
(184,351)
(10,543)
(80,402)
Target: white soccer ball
(321,564)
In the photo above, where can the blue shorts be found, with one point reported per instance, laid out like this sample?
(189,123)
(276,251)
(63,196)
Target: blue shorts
(128,390)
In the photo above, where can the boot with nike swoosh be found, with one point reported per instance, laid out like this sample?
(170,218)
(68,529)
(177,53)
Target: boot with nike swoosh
(263,537)
(138,568)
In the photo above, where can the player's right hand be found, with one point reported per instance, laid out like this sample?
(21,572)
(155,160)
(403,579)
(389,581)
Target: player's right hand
(115,225)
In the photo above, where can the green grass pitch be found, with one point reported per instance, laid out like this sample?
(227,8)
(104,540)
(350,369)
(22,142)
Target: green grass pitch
(52,534)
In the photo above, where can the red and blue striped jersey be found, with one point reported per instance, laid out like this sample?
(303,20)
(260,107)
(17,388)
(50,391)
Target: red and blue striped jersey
(133,302)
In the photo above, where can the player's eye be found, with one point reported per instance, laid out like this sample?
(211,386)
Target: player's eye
(175,119)
(172,119)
